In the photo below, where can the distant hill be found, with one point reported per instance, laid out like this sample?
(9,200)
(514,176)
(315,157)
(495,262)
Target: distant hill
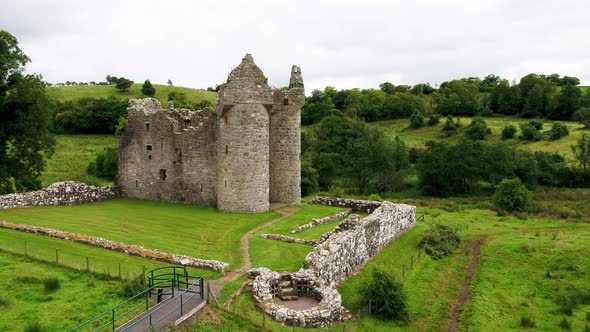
(65,93)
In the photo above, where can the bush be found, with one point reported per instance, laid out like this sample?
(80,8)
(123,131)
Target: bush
(414,155)
(148,89)
(511,195)
(105,165)
(385,298)
(89,116)
(123,84)
(582,116)
(526,322)
(51,284)
(375,197)
(477,129)
(450,127)
(558,130)
(440,241)
(433,120)
(309,178)
(131,288)
(508,132)
(33,327)
(537,124)
(529,132)
(565,324)
(416,120)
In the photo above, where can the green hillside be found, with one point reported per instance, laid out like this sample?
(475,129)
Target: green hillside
(417,137)
(65,93)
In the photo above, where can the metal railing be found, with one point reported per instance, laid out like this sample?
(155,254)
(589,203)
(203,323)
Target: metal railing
(159,280)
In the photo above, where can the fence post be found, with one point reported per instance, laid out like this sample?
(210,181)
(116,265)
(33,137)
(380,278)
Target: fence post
(120,277)
(87,264)
(56,256)
(113,319)
(180,304)
(26,249)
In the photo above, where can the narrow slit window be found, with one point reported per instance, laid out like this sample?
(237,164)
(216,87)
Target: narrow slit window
(163,174)
(226,150)
(225,183)
(225,120)
(136,183)
(201,188)
(147,126)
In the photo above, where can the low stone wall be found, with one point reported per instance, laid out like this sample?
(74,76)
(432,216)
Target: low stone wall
(357,205)
(121,247)
(288,239)
(354,242)
(318,221)
(60,193)
(266,287)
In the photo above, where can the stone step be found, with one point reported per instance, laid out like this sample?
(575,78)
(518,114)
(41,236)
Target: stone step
(286,290)
(288,297)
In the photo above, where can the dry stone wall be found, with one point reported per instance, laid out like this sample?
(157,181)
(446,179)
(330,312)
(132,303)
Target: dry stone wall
(121,247)
(357,205)
(60,193)
(318,221)
(356,241)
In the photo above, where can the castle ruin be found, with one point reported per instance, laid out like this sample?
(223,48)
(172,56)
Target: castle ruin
(240,157)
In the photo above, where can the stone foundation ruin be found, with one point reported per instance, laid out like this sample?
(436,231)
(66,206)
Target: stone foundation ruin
(337,256)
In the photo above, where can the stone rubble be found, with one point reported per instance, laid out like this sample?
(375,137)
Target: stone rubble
(121,247)
(336,257)
(318,221)
(59,193)
(288,239)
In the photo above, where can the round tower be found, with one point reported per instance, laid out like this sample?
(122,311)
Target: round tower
(243,140)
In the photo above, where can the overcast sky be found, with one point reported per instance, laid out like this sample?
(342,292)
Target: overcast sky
(344,44)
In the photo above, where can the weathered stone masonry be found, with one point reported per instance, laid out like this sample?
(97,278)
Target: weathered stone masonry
(59,193)
(337,256)
(239,158)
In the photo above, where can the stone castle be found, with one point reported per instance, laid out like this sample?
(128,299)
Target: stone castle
(240,157)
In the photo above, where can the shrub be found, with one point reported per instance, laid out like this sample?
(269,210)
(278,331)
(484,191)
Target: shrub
(565,324)
(526,322)
(477,129)
(586,328)
(123,84)
(375,197)
(511,195)
(537,124)
(416,120)
(51,284)
(105,165)
(508,132)
(450,127)
(582,116)
(131,288)
(148,89)
(433,120)
(385,298)
(558,130)
(529,132)
(413,155)
(440,241)
(33,327)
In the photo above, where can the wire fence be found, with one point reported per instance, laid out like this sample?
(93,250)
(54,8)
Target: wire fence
(77,256)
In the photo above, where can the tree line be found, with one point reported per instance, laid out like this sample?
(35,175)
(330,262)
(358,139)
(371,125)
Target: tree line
(534,96)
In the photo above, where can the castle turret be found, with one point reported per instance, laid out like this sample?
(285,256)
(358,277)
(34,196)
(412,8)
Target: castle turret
(243,140)
(285,141)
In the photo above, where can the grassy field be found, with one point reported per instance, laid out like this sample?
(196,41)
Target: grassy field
(65,93)
(24,299)
(196,231)
(72,155)
(281,256)
(417,137)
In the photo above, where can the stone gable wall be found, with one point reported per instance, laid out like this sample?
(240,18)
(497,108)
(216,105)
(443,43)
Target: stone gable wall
(60,193)
(357,205)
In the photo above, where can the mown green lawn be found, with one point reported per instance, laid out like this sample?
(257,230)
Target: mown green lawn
(23,299)
(72,155)
(417,137)
(281,256)
(196,231)
(65,93)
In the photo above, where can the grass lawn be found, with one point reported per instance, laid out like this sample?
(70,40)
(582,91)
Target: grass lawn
(417,137)
(65,93)
(72,155)
(196,231)
(281,256)
(24,300)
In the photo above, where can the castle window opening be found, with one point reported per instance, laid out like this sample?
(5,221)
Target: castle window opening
(226,150)
(136,183)
(187,122)
(226,183)
(285,101)
(163,174)
(148,147)
(150,157)
(225,119)
(201,188)
(147,126)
